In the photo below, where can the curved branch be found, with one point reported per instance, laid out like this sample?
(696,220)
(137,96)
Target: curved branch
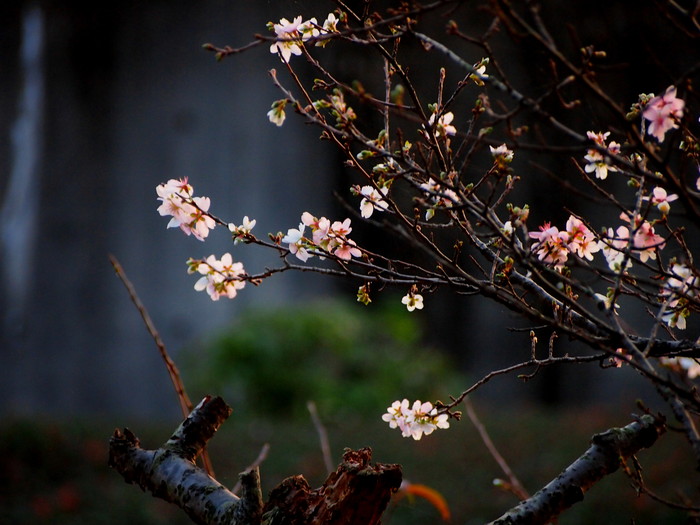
(607,453)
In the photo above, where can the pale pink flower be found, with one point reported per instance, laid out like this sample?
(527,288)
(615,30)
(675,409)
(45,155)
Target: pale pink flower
(347,249)
(220,277)
(187,212)
(292,35)
(297,243)
(662,199)
(240,232)
(663,112)
(372,199)
(596,161)
(613,246)
(330,25)
(421,418)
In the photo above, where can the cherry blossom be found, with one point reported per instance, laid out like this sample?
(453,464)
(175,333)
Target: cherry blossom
(438,196)
(373,199)
(297,243)
(277,114)
(220,277)
(663,112)
(551,246)
(421,418)
(502,153)
(682,284)
(413,301)
(292,35)
(443,127)
(662,199)
(188,213)
(580,239)
(596,161)
(330,25)
(479,72)
(613,245)
(240,232)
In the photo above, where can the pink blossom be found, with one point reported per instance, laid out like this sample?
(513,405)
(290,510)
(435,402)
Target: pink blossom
(662,199)
(187,212)
(663,112)
(580,239)
(346,250)
(552,246)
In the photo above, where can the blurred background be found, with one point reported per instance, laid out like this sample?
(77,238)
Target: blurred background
(101,103)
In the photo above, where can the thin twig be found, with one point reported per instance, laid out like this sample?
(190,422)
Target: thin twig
(515,486)
(322,435)
(184,400)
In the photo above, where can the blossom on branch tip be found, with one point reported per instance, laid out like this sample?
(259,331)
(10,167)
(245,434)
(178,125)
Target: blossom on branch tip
(330,25)
(420,418)
(188,213)
(663,112)
(682,285)
(661,199)
(501,155)
(276,115)
(291,36)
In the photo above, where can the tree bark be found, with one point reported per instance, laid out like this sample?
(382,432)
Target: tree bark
(608,451)
(357,493)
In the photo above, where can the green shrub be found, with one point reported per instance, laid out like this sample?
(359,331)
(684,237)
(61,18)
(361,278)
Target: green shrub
(348,359)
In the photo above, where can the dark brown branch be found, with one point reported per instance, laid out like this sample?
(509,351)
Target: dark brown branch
(607,453)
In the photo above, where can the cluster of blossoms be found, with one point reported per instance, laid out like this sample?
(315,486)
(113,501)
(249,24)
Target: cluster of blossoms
(219,276)
(326,238)
(663,113)
(188,213)
(554,246)
(596,161)
(421,418)
(292,35)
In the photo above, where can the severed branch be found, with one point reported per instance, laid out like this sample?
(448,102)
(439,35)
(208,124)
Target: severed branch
(609,450)
(170,473)
(357,493)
